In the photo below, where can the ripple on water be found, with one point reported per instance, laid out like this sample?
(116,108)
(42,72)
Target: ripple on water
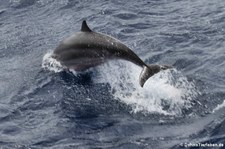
(126,16)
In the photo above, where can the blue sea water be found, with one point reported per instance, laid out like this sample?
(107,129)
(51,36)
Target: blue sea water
(42,106)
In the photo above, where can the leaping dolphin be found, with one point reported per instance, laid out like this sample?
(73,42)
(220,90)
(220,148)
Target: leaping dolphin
(87,49)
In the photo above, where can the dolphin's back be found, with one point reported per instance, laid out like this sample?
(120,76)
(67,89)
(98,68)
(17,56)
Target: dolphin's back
(96,45)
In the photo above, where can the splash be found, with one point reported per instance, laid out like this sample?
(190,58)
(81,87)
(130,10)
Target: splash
(167,92)
(50,63)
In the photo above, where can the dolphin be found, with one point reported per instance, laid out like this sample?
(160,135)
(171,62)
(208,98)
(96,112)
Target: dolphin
(87,48)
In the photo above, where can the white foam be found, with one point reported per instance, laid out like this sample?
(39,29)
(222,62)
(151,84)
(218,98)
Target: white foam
(219,106)
(167,92)
(50,63)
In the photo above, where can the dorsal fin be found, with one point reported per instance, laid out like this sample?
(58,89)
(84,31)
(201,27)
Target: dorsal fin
(84,27)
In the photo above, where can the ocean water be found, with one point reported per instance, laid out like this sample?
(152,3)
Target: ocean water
(43,106)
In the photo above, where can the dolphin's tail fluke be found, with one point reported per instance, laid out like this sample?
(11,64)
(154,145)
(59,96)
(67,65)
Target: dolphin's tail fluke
(149,71)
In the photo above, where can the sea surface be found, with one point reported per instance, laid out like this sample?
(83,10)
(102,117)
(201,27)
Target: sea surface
(44,106)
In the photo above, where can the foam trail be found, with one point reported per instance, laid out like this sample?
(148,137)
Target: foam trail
(50,63)
(167,92)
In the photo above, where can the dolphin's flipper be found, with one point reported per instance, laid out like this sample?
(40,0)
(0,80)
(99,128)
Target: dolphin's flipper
(149,71)
(84,27)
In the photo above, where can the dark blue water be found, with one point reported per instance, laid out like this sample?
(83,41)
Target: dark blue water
(44,107)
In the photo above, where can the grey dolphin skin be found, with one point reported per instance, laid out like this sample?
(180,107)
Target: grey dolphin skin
(87,49)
